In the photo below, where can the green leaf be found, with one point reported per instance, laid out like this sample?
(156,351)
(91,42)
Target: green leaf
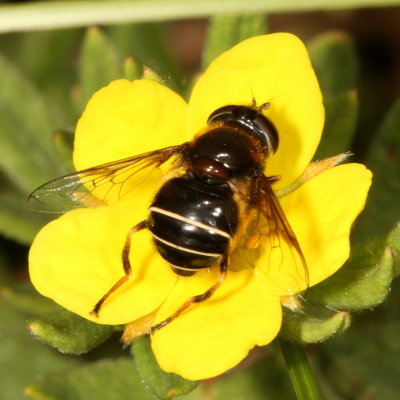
(149,73)
(383,206)
(99,63)
(340,123)
(333,56)
(393,242)
(68,332)
(132,69)
(25,104)
(162,384)
(312,324)
(45,57)
(363,282)
(146,42)
(26,299)
(227,30)
(361,367)
(102,380)
(23,359)
(64,144)
(262,375)
(334,59)
(26,122)
(16,221)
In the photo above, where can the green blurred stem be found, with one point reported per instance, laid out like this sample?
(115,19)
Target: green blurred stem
(62,14)
(300,372)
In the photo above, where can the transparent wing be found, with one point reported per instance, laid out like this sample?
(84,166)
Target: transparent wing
(285,264)
(100,185)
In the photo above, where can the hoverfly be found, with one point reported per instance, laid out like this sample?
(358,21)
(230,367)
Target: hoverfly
(196,217)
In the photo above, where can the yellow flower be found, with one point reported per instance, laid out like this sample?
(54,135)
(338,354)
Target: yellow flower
(77,258)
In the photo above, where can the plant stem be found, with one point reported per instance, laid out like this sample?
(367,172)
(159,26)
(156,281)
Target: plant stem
(42,15)
(300,372)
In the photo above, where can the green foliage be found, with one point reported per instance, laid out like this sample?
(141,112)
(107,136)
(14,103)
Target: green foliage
(27,119)
(105,380)
(227,30)
(334,59)
(300,372)
(335,62)
(24,298)
(132,69)
(364,281)
(23,359)
(64,143)
(98,63)
(340,123)
(16,221)
(68,332)
(56,14)
(363,363)
(146,42)
(312,324)
(383,159)
(34,104)
(162,384)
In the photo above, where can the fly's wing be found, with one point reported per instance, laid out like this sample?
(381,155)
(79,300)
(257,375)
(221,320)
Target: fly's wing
(104,184)
(283,261)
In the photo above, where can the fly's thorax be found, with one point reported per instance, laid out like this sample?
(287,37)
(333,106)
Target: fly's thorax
(236,142)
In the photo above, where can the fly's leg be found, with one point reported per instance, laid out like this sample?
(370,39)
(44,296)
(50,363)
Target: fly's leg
(223,267)
(127,266)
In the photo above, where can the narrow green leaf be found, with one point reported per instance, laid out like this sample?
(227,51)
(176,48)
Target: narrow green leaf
(99,63)
(102,380)
(361,366)
(132,69)
(45,57)
(23,158)
(312,324)
(16,221)
(64,144)
(227,30)
(146,42)
(363,282)
(68,332)
(340,123)
(162,384)
(24,104)
(23,359)
(334,59)
(393,242)
(26,299)
(262,376)
(383,205)
(26,122)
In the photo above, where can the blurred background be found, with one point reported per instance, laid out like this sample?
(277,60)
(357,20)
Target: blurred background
(46,77)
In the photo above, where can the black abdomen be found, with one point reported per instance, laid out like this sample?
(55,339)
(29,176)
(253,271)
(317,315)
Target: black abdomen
(192,223)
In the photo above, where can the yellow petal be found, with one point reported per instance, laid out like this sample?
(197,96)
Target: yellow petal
(76,259)
(128,118)
(321,213)
(212,336)
(125,119)
(274,68)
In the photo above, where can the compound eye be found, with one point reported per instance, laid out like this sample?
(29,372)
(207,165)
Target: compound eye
(269,130)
